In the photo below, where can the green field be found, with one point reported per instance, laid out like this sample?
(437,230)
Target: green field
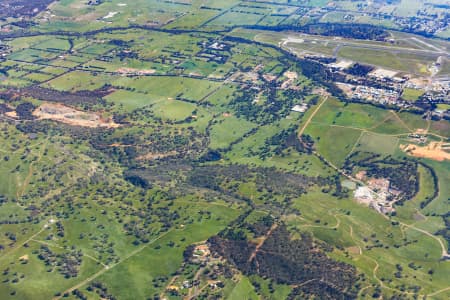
(227,130)
(411,94)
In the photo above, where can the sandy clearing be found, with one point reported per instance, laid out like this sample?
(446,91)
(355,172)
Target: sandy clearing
(355,250)
(421,131)
(11,114)
(110,15)
(135,71)
(383,73)
(88,17)
(434,150)
(64,114)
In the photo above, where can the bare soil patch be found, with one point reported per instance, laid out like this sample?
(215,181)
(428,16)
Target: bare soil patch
(434,150)
(421,131)
(71,116)
(355,250)
(133,71)
(11,114)
(24,257)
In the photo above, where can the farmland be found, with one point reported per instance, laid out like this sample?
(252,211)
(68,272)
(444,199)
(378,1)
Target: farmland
(167,150)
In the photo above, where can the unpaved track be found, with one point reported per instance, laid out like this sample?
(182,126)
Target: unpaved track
(89,279)
(252,256)
(311,117)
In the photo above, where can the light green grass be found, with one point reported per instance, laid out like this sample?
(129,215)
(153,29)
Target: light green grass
(227,130)
(173,109)
(129,100)
(334,143)
(377,143)
(243,290)
(411,94)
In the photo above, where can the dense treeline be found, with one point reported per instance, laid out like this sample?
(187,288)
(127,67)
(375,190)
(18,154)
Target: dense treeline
(359,70)
(286,138)
(269,179)
(286,260)
(275,188)
(435,178)
(445,232)
(355,31)
(25,110)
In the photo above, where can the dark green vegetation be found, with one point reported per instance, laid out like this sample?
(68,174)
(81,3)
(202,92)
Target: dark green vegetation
(300,262)
(196,144)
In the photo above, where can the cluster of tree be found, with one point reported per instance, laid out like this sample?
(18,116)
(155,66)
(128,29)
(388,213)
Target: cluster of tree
(286,138)
(59,229)
(120,43)
(11,236)
(322,75)
(270,180)
(210,155)
(445,232)
(136,180)
(359,70)
(130,145)
(353,31)
(262,226)
(77,294)
(287,261)
(324,60)
(276,106)
(84,98)
(67,263)
(25,111)
(139,227)
(101,290)
(4,108)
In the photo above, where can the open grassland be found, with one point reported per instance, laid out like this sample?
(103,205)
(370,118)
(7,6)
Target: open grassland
(159,255)
(377,143)
(226,130)
(78,81)
(159,260)
(243,290)
(35,280)
(411,94)
(440,204)
(385,59)
(129,100)
(169,87)
(356,230)
(358,116)
(171,109)
(340,129)
(327,219)
(334,143)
